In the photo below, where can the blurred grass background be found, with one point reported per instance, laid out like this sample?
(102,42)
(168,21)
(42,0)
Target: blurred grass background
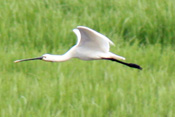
(143,31)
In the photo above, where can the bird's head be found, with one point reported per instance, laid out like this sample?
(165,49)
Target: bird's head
(45,57)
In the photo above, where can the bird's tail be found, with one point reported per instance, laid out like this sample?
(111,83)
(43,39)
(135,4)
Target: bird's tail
(112,55)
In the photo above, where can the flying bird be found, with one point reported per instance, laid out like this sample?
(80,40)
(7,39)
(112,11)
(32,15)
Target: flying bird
(91,45)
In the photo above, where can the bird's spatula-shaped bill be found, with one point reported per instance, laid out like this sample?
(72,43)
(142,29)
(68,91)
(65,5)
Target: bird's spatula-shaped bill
(37,58)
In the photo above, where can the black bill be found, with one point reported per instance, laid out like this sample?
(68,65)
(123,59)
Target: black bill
(38,58)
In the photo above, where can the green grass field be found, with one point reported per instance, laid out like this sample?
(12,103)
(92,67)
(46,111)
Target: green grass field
(143,31)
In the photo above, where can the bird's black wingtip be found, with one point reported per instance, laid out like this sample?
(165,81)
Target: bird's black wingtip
(140,68)
(135,66)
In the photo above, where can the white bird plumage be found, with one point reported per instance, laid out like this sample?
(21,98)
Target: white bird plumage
(91,45)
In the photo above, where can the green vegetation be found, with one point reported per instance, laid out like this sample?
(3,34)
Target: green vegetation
(143,31)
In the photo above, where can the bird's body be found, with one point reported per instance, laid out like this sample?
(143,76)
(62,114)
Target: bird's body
(91,45)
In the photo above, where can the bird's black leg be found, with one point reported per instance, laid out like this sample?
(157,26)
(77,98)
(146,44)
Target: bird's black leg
(124,63)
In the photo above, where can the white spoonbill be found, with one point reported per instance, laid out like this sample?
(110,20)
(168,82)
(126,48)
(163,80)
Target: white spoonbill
(91,45)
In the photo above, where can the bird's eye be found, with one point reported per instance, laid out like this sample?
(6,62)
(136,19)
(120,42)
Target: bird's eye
(44,56)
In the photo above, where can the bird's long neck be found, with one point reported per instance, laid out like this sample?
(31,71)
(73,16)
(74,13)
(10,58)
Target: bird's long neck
(64,57)
(60,58)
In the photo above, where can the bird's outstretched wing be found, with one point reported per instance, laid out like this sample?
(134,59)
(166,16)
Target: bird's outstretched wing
(91,39)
